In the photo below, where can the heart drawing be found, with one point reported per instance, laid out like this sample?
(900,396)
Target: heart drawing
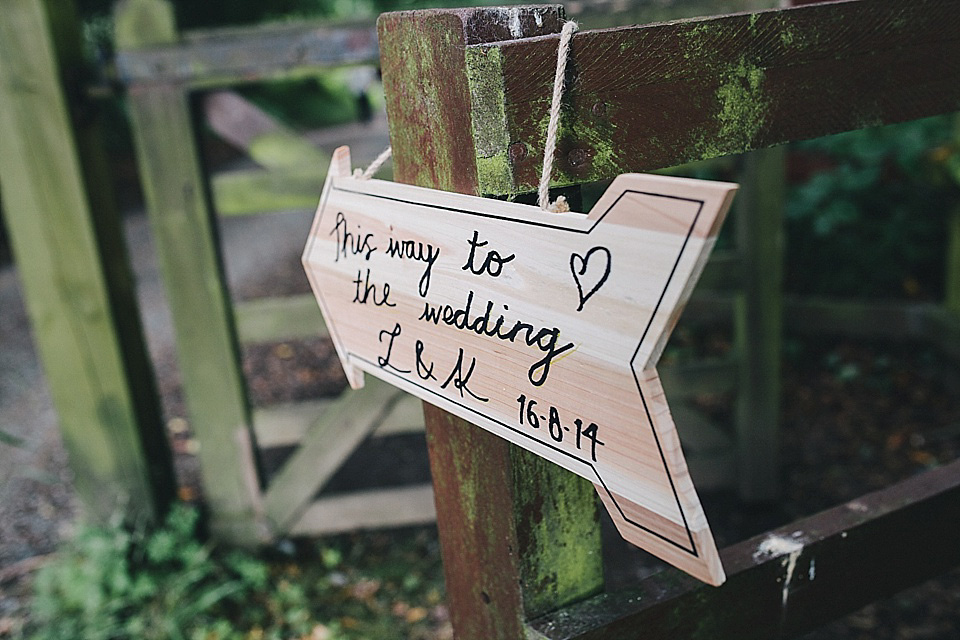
(579,265)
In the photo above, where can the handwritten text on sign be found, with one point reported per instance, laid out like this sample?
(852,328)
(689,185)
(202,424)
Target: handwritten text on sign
(543,328)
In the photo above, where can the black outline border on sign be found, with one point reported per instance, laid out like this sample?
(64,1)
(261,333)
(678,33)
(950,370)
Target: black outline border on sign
(693,547)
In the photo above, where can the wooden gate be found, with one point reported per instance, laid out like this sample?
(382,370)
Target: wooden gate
(163,71)
(521,548)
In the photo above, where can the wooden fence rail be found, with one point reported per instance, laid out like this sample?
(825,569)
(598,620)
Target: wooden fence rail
(161,70)
(648,97)
(642,98)
(827,565)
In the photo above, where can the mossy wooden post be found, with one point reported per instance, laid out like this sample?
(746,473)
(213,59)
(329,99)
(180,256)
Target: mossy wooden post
(759,322)
(71,257)
(185,234)
(520,536)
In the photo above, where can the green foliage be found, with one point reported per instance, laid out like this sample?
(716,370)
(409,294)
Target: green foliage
(321,101)
(124,583)
(868,219)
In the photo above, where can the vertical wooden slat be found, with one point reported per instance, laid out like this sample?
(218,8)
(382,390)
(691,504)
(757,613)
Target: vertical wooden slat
(71,257)
(501,519)
(951,296)
(188,250)
(952,293)
(759,320)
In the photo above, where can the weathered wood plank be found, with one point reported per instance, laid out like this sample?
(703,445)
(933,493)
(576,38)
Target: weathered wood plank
(272,319)
(839,560)
(865,319)
(477,507)
(332,437)
(267,141)
(252,191)
(646,97)
(759,322)
(724,272)
(952,286)
(294,167)
(402,507)
(286,425)
(597,14)
(225,57)
(475,521)
(71,255)
(713,470)
(189,257)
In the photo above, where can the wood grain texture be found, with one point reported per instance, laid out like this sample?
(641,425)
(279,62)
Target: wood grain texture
(71,256)
(475,519)
(474,504)
(243,192)
(647,97)
(224,57)
(434,292)
(193,275)
(846,557)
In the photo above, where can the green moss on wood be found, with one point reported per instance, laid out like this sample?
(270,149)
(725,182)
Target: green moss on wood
(558,533)
(489,120)
(742,111)
(495,175)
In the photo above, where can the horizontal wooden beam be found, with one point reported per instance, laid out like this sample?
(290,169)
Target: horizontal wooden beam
(377,509)
(795,578)
(273,319)
(286,425)
(869,319)
(253,191)
(645,97)
(223,57)
(328,442)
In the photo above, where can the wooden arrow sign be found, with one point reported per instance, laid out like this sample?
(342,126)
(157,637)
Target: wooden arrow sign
(543,328)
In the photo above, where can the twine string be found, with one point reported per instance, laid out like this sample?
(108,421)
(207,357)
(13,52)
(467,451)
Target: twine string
(550,146)
(360,174)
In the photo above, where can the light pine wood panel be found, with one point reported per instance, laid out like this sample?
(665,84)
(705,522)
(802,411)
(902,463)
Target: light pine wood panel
(421,288)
